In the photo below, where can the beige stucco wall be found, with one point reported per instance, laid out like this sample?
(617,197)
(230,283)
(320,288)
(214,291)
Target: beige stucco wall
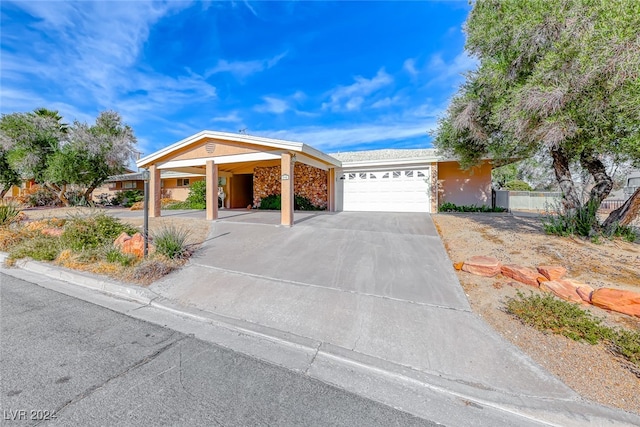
(464,187)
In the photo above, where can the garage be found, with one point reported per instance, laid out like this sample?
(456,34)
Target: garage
(396,190)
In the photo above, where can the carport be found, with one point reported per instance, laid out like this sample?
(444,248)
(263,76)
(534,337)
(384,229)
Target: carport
(224,155)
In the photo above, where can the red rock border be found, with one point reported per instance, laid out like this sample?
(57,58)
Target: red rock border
(549,278)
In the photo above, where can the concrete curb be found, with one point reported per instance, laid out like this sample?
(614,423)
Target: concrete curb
(345,368)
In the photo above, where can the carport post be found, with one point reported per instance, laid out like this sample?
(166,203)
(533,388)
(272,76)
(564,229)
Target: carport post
(211,189)
(286,190)
(154,186)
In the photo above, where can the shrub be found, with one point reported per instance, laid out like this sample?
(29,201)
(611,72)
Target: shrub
(171,241)
(115,256)
(451,207)
(581,221)
(127,198)
(149,270)
(40,248)
(9,213)
(39,196)
(93,231)
(272,202)
(76,198)
(517,185)
(301,203)
(549,314)
(626,232)
(197,194)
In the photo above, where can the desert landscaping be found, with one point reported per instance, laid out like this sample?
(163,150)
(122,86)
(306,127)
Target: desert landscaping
(594,371)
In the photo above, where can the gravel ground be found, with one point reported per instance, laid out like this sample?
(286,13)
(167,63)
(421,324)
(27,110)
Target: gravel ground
(591,370)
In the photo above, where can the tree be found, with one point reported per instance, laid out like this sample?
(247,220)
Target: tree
(559,78)
(39,146)
(8,176)
(92,154)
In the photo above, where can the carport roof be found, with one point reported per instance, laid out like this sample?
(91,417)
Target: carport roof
(277,144)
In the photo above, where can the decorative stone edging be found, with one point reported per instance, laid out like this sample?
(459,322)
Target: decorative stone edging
(549,278)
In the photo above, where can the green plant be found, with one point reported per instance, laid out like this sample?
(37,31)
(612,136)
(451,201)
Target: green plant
(197,194)
(115,256)
(76,198)
(171,241)
(517,185)
(39,248)
(83,233)
(549,314)
(301,203)
(272,202)
(581,221)
(452,207)
(625,232)
(127,198)
(9,213)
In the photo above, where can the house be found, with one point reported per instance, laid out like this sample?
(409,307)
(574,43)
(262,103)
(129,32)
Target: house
(246,168)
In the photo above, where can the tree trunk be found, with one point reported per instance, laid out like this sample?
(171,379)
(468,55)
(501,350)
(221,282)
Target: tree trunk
(87,193)
(59,191)
(3,191)
(603,182)
(571,199)
(624,214)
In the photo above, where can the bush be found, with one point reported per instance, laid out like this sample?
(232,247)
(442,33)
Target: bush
(451,207)
(171,242)
(549,314)
(9,213)
(625,232)
(300,203)
(197,194)
(517,185)
(91,232)
(582,222)
(115,256)
(127,198)
(40,248)
(38,196)
(76,198)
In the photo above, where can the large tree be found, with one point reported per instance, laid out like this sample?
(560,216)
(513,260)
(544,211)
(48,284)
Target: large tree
(558,77)
(39,146)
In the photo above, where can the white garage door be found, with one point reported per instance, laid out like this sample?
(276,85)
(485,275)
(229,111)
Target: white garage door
(387,191)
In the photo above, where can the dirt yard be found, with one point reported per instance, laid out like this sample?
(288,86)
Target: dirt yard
(592,371)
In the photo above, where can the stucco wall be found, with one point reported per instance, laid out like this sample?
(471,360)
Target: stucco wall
(309,182)
(464,187)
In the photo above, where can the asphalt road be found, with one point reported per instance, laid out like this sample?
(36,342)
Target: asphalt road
(64,361)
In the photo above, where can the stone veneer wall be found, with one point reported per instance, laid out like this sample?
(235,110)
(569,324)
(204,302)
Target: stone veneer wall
(308,182)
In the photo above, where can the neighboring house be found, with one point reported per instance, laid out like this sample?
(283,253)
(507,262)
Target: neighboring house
(174,185)
(249,168)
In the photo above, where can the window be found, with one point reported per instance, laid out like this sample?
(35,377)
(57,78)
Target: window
(127,185)
(372,176)
(409,174)
(396,174)
(352,176)
(183,182)
(386,175)
(421,174)
(362,175)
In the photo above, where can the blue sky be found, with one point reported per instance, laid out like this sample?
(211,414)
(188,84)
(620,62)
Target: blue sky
(339,76)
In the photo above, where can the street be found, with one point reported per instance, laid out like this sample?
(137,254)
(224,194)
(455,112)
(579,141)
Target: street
(64,361)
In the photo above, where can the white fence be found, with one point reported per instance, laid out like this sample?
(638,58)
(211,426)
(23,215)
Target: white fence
(528,200)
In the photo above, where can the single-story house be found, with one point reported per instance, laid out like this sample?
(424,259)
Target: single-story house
(246,168)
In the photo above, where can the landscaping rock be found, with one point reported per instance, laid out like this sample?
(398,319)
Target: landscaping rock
(482,266)
(564,289)
(458,265)
(552,272)
(585,292)
(524,275)
(135,246)
(618,300)
(123,237)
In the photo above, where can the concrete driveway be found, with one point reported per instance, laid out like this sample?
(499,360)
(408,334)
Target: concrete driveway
(373,284)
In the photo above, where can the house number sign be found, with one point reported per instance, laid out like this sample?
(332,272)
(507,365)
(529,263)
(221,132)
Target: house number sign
(285,177)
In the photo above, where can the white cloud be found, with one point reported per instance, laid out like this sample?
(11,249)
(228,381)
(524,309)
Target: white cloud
(243,69)
(350,98)
(386,102)
(410,67)
(232,117)
(273,105)
(89,54)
